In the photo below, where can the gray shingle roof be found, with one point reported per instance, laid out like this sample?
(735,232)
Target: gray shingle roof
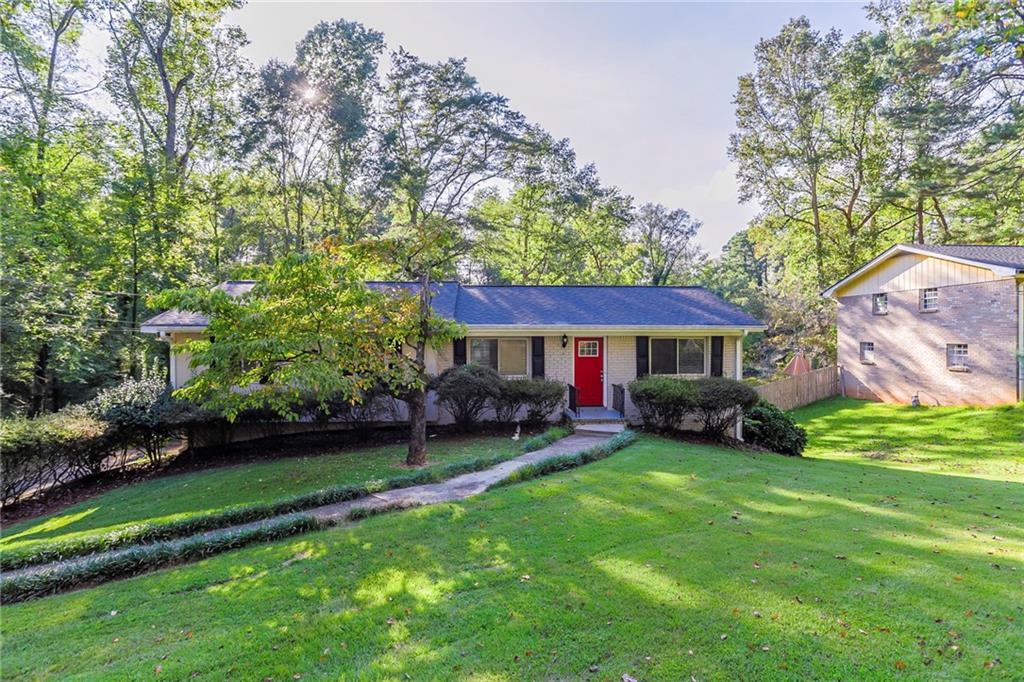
(184,318)
(599,306)
(1003,256)
(533,306)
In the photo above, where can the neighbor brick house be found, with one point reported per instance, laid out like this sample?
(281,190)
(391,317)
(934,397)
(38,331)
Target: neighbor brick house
(594,339)
(944,323)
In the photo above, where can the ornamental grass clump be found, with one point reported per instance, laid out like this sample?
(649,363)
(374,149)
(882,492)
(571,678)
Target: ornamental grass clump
(135,560)
(565,462)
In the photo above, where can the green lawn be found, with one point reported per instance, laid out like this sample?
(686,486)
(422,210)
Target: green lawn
(986,442)
(186,495)
(665,561)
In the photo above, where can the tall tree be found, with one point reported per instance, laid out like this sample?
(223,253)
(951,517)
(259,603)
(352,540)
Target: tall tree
(52,172)
(782,145)
(666,243)
(444,137)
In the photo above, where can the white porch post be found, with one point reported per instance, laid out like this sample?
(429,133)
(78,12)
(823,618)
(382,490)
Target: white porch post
(172,360)
(738,374)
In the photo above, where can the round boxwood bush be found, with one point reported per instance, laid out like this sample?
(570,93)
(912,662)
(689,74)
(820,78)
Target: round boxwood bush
(663,401)
(766,425)
(721,402)
(465,391)
(540,397)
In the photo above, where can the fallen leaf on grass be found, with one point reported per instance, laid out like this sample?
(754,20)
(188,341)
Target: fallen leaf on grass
(900,665)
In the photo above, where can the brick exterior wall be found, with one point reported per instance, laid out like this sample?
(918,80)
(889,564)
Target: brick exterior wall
(622,370)
(910,346)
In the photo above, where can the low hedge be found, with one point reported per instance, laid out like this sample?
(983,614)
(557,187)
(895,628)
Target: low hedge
(565,462)
(716,402)
(49,450)
(768,426)
(50,551)
(663,402)
(135,560)
(466,391)
(721,403)
(540,397)
(542,440)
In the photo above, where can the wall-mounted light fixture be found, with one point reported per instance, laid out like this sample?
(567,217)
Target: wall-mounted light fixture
(565,340)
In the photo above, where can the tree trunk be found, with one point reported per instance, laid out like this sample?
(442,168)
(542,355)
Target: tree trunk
(417,402)
(40,376)
(818,249)
(418,399)
(919,236)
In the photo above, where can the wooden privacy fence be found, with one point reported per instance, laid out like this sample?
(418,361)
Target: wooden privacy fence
(802,389)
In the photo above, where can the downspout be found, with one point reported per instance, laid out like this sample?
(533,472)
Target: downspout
(1020,338)
(738,370)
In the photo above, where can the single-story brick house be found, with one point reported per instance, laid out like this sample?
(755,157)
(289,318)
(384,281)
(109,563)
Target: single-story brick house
(595,339)
(942,323)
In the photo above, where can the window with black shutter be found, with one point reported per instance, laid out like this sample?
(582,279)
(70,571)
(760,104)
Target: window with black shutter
(459,351)
(717,352)
(643,367)
(537,356)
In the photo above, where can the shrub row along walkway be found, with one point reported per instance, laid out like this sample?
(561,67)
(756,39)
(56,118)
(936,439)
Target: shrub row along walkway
(457,488)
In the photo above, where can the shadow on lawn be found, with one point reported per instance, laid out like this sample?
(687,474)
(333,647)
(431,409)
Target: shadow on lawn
(627,565)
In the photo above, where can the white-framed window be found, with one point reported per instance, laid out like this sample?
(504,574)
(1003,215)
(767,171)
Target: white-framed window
(867,352)
(508,357)
(929,299)
(880,304)
(678,356)
(587,349)
(956,357)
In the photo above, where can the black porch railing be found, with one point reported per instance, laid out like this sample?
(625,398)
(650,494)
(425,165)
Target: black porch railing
(619,399)
(573,406)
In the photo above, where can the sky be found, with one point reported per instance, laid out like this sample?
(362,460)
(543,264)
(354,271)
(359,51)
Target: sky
(644,91)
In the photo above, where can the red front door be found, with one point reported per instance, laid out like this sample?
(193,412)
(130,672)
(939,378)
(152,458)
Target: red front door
(589,378)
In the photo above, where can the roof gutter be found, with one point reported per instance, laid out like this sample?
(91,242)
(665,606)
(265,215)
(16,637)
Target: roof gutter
(1020,337)
(169,328)
(528,329)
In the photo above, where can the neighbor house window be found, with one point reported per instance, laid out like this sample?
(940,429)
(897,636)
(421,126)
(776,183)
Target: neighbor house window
(677,356)
(956,357)
(505,356)
(867,352)
(929,299)
(880,304)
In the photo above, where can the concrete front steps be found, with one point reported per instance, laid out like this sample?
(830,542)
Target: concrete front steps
(597,421)
(600,428)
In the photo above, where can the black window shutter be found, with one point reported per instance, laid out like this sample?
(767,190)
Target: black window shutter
(459,351)
(717,347)
(537,356)
(643,365)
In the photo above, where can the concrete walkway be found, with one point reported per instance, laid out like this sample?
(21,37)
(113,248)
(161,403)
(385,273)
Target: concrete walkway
(457,488)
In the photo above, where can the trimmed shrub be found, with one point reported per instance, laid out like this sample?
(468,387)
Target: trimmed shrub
(465,391)
(540,397)
(49,450)
(141,411)
(663,401)
(766,425)
(720,402)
